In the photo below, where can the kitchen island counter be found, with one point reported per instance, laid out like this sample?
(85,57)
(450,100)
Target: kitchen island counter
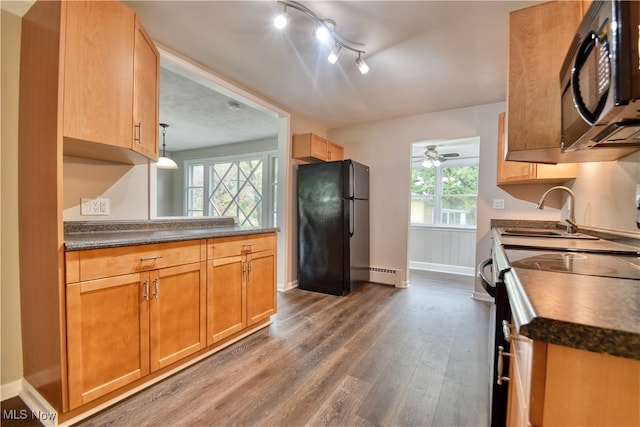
(85,235)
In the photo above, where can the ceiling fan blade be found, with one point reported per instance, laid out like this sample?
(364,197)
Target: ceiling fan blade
(450,155)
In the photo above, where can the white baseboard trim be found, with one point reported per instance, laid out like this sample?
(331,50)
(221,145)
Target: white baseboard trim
(443,268)
(482,296)
(40,408)
(288,286)
(12,389)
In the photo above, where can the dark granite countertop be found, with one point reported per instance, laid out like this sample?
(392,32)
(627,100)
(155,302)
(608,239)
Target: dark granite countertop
(84,235)
(599,314)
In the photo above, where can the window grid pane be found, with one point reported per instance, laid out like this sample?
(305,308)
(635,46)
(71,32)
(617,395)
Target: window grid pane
(195,190)
(444,195)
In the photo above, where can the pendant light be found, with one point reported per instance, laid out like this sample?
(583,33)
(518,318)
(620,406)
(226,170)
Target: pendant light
(163,161)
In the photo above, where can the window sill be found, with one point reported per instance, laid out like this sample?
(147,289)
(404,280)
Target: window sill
(468,228)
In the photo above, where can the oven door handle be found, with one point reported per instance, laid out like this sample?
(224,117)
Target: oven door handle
(487,284)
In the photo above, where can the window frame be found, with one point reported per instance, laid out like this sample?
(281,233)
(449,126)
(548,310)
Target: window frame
(437,196)
(268,216)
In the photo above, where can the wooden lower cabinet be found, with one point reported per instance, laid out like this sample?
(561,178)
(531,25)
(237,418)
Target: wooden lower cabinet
(261,278)
(226,298)
(133,311)
(107,335)
(177,312)
(554,385)
(241,283)
(121,328)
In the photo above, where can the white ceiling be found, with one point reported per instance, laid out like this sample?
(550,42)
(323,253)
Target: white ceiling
(424,56)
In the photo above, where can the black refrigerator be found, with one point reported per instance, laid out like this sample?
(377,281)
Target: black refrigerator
(333,226)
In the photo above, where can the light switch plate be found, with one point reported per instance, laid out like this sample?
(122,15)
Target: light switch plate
(97,206)
(498,203)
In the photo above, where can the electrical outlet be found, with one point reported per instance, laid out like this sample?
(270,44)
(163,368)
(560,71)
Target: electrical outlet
(97,206)
(498,203)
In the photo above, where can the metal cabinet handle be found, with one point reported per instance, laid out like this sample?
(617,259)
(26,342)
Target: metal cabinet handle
(502,353)
(506,331)
(146,289)
(156,291)
(138,137)
(151,258)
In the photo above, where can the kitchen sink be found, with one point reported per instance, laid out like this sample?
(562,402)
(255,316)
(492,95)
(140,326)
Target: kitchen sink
(543,232)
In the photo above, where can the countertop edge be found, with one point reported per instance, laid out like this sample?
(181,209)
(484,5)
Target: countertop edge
(88,240)
(598,339)
(569,334)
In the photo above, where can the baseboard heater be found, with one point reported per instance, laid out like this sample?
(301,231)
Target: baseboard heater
(387,276)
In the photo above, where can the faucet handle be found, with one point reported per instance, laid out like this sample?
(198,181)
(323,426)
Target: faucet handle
(572,227)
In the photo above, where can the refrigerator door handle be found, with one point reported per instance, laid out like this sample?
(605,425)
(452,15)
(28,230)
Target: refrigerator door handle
(352,172)
(352,217)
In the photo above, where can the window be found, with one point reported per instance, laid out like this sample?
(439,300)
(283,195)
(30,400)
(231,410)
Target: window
(445,195)
(241,187)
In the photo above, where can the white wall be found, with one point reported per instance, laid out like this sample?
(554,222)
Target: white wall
(605,192)
(126,187)
(386,147)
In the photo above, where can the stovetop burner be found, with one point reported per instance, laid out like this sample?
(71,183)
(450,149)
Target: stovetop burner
(589,264)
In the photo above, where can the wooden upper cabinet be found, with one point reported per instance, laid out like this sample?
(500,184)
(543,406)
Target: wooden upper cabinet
(539,37)
(313,148)
(510,172)
(336,152)
(98,65)
(110,67)
(146,88)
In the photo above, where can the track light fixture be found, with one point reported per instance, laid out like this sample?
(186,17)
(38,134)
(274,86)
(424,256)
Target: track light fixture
(325,30)
(362,66)
(335,53)
(282,20)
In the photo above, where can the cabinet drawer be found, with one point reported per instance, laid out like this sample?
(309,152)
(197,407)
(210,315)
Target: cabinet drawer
(229,246)
(97,263)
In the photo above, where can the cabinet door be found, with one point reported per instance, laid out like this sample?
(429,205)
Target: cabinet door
(310,147)
(226,313)
(529,173)
(336,152)
(533,94)
(177,312)
(107,335)
(98,64)
(145,94)
(261,286)
(508,172)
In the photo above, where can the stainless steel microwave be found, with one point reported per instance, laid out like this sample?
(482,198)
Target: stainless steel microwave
(600,79)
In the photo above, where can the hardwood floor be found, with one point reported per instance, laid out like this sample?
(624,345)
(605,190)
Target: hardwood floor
(381,356)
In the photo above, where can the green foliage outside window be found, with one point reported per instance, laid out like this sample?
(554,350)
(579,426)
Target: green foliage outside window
(444,195)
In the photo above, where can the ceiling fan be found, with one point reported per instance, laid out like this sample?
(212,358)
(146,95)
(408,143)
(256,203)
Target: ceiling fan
(432,158)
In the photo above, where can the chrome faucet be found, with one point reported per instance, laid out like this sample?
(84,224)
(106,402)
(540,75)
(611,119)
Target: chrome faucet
(572,227)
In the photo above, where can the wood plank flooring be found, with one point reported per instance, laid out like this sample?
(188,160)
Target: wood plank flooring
(380,356)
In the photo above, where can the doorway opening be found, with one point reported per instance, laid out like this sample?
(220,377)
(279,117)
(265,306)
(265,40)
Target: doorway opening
(443,211)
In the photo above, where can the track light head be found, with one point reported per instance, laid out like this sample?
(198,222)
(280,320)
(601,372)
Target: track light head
(281,20)
(362,66)
(335,53)
(322,32)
